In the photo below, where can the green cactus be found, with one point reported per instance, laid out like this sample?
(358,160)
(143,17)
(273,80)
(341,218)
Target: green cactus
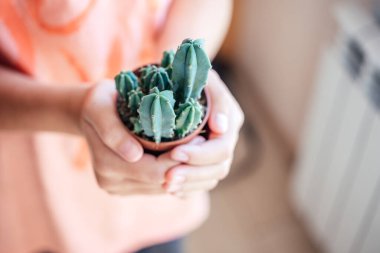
(137,128)
(167,59)
(162,103)
(156,77)
(145,70)
(157,115)
(190,70)
(125,82)
(134,100)
(189,116)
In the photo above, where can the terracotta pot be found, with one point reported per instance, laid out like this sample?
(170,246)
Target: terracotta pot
(164,146)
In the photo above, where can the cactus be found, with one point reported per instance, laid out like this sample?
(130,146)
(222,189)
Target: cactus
(145,70)
(137,128)
(157,114)
(167,59)
(190,70)
(125,82)
(134,100)
(156,77)
(189,117)
(162,102)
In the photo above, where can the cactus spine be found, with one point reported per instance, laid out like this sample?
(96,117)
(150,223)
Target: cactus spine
(190,70)
(157,115)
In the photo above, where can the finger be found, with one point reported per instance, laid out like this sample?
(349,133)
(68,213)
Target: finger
(184,174)
(166,160)
(218,121)
(187,195)
(106,163)
(199,186)
(191,187)
(107,124)
(130,187)
(213,151)
(180,155)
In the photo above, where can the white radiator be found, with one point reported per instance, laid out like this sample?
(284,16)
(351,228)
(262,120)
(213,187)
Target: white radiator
(337,176)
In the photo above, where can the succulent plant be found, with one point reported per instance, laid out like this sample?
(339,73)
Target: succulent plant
(125,82)
(134,100)
(190,70)
(167,59)
(137,128)
(189,116)
(157,77)
(157,115)
(162,102)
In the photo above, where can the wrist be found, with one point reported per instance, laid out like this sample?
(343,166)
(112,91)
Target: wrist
(76,98)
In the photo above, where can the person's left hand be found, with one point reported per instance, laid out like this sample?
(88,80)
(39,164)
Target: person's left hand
(205,163)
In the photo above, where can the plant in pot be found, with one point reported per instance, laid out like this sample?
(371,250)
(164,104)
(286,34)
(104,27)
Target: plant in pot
(166,104)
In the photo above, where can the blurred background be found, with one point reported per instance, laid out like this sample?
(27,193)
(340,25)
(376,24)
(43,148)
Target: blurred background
(306,177)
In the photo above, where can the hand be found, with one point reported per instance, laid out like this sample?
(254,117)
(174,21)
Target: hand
(119,163)
(205,163)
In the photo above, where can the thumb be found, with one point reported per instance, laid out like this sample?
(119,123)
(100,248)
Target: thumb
(100,113)
(218,121)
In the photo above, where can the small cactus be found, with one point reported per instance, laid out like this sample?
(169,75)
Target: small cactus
(157,77)
(125,82)
(167,59)
(190,70)
(162,102)
(189,117)
(137,128)
(145,70)
(134,100)
(157,114)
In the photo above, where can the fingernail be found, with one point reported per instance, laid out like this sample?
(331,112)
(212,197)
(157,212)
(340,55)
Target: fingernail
(180,156)
(130,151)
(178,179)
(173,188)
(221,122)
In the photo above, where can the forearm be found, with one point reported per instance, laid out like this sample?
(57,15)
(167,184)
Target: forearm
(26,104)
(207,19)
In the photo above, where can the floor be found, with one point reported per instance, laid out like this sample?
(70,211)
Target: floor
(250,210)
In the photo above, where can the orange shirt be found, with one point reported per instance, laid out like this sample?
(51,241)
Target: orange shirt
(49,199)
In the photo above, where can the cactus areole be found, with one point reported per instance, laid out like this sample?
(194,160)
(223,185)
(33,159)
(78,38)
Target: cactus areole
(166,104)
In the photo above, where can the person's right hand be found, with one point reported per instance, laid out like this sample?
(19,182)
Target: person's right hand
(119,162)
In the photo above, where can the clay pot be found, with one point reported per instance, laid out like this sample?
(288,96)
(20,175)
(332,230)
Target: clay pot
(164,146)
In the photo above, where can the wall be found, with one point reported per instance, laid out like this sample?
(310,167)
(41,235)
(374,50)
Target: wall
(276,44)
